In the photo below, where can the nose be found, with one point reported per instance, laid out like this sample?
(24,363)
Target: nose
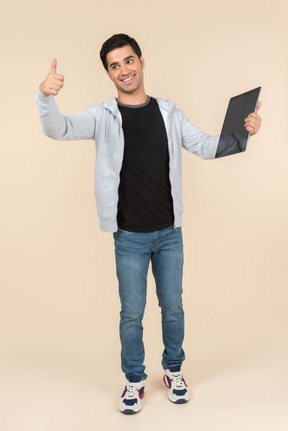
(124,69)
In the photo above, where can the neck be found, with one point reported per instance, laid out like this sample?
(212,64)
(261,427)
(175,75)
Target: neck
(132,98)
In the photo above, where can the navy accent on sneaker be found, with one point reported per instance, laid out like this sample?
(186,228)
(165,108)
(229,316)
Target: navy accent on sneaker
(168,381)
(141,392)
(130,402)
(179,392)
(134,379)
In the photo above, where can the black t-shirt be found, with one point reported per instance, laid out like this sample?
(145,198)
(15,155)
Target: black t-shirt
(145,202)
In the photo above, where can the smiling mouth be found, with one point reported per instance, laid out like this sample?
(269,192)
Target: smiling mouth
(128,79)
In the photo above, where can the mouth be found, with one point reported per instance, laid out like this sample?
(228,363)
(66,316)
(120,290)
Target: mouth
(128,80)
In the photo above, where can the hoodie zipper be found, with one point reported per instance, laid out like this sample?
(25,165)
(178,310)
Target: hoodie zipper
(107,128)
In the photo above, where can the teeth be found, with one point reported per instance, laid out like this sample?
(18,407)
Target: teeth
(128,79)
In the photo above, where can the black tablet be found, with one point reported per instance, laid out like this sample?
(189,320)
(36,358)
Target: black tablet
(239,108)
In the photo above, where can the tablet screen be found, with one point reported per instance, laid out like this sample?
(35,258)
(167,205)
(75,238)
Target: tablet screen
(234,136)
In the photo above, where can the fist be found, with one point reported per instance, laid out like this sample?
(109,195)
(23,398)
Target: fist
(53,83)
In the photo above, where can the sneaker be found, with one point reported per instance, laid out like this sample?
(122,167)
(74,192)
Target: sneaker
(178,391)
(130,402)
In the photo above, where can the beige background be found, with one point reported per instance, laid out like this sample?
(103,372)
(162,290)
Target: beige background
(59,310)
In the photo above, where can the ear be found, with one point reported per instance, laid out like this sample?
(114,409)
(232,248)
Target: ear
(142,61)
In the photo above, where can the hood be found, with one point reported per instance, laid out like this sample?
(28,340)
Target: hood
(166,105)
(111,105)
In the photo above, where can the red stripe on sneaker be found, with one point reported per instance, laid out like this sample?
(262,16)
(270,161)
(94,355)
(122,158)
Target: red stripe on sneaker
(140,396)
(122,396)
(165,382)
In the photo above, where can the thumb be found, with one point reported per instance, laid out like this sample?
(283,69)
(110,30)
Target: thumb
(258,106)
(53,65)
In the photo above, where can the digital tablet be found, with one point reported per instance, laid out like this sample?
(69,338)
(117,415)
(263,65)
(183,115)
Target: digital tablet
(239,108)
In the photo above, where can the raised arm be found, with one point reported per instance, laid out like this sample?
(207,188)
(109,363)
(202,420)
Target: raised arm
(58,126)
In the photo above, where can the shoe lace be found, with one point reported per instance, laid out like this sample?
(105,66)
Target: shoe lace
(131,390)
(177,379)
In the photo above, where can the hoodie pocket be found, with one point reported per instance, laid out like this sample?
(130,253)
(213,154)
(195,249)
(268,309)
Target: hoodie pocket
(106,195)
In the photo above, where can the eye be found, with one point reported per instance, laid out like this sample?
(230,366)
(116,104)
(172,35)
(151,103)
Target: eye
(130,61)
(115,67)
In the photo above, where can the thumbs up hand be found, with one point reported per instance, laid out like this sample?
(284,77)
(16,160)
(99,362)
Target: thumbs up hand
(253,122)
(53,82)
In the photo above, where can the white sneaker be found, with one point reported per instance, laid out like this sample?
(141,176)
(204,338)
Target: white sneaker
(178,391)
(130,402)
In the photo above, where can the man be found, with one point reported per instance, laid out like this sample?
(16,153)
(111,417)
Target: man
(138,194)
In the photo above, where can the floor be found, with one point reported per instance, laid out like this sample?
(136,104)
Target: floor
(44,392)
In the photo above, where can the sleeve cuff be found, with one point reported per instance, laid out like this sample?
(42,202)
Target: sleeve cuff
(41,99)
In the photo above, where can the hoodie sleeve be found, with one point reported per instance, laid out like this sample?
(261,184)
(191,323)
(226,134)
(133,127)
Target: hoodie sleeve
(196,141)
(64,127)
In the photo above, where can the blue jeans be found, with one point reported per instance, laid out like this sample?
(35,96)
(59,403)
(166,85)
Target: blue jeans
(133,252)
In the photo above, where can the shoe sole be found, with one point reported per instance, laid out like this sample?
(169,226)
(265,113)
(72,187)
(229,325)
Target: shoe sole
(129,412)
(181,401)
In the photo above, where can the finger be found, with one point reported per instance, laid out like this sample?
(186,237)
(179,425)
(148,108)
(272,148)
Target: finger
(251,120)
(251,125)
(251,129)
(53,65)
(55,86)
(59,77)
(53,92)
(254,118)
(258,106)
(57,81)
(52,82)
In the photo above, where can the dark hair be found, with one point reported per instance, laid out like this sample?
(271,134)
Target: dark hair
(117,41)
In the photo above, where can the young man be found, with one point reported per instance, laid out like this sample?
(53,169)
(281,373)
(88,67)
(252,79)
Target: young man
(138,193)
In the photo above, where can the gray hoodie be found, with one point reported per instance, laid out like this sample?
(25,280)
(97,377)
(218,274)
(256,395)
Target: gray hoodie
(103,123)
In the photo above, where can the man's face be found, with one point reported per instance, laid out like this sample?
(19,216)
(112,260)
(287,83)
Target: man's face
(125,69)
